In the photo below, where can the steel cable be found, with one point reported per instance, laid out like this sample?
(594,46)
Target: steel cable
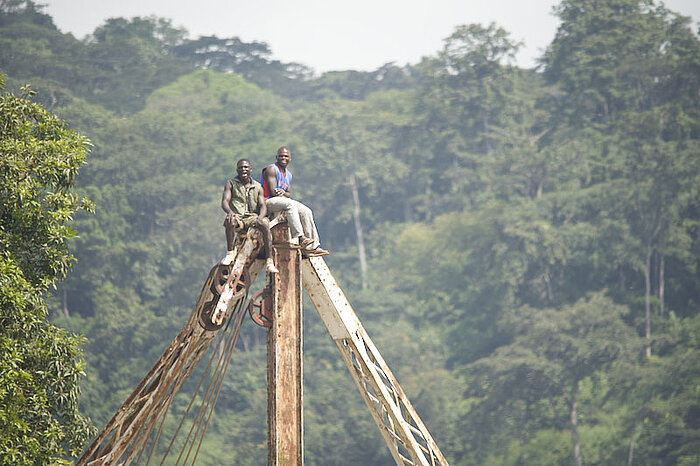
(237,331)
(194,397)
(232,331)
(204,404)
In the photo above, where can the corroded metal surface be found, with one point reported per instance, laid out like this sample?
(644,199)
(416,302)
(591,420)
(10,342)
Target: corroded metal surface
(125,435)
(405,434)
(232,290)
(284,357)
(408,439)
(260,307)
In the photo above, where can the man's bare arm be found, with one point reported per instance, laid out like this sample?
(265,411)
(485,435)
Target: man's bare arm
(261,203)
(271,180)
(226,199)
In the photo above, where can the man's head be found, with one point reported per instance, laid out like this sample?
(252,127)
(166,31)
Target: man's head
(284,156)
(244,168)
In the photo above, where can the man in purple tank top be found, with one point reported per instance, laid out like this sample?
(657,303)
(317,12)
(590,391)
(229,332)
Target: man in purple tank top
(276,180)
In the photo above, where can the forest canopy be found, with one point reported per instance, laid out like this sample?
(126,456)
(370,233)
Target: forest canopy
(521,244)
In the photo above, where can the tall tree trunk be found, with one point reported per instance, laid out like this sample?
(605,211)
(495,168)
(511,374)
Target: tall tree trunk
(654,275)
(630,451)
(574,425)
(65,302)
(407,211)
(548,281)
(358,231)
(647,291)
(661,285)
(540,188)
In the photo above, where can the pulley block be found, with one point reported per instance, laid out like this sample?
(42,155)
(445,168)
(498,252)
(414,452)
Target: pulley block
(260,308)
(222,277)
(205,315)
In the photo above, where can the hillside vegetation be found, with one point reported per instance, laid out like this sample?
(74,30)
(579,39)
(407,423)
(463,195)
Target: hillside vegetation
(532,237)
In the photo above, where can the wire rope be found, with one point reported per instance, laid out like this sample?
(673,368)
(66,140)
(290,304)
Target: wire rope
(192,400)
(217,379)
(213,388)
(237,331)
(199,415)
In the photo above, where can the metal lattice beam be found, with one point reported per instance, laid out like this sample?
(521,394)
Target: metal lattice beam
(127,433)
(405,434)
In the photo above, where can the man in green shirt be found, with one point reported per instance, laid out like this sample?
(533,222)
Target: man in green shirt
(244,204)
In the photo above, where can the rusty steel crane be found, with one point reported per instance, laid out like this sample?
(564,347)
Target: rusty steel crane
(126,437)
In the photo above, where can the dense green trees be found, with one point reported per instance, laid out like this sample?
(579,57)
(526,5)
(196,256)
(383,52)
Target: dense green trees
(593,174)
(41,365)
(625,72)
(522,245)
(537,378)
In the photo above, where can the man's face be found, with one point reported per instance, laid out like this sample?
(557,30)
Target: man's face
(243,168)
(283,158)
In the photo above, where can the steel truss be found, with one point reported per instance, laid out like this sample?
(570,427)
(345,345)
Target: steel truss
(126,434)
(405,434)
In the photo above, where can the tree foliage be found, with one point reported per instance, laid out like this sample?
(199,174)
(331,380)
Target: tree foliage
(41,363)
(510,238)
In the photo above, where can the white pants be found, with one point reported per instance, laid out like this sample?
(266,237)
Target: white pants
(299,217)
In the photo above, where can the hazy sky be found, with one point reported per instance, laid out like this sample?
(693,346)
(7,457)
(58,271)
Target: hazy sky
(337,35)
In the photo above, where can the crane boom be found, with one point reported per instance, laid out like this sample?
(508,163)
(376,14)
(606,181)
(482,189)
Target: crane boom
(405,434)
(127,432)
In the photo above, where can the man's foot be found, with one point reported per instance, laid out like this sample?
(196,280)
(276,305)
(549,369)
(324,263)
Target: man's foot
(270,266)
(318,252)
(305,242)
(228,259)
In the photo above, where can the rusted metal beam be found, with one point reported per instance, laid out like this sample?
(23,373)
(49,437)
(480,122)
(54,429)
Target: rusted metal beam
(284,357)
(408,439)
(129,429)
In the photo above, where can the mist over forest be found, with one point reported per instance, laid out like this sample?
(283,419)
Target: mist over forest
(522,245)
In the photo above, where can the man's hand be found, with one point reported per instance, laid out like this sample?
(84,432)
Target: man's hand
(232,219)
(281,192)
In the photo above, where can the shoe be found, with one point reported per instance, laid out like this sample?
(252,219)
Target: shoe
(305,242)
(270,267)
(318,252)
(228,259)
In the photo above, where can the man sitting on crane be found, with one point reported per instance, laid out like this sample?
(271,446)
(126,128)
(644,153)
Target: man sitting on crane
(244,204)
(276,180)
